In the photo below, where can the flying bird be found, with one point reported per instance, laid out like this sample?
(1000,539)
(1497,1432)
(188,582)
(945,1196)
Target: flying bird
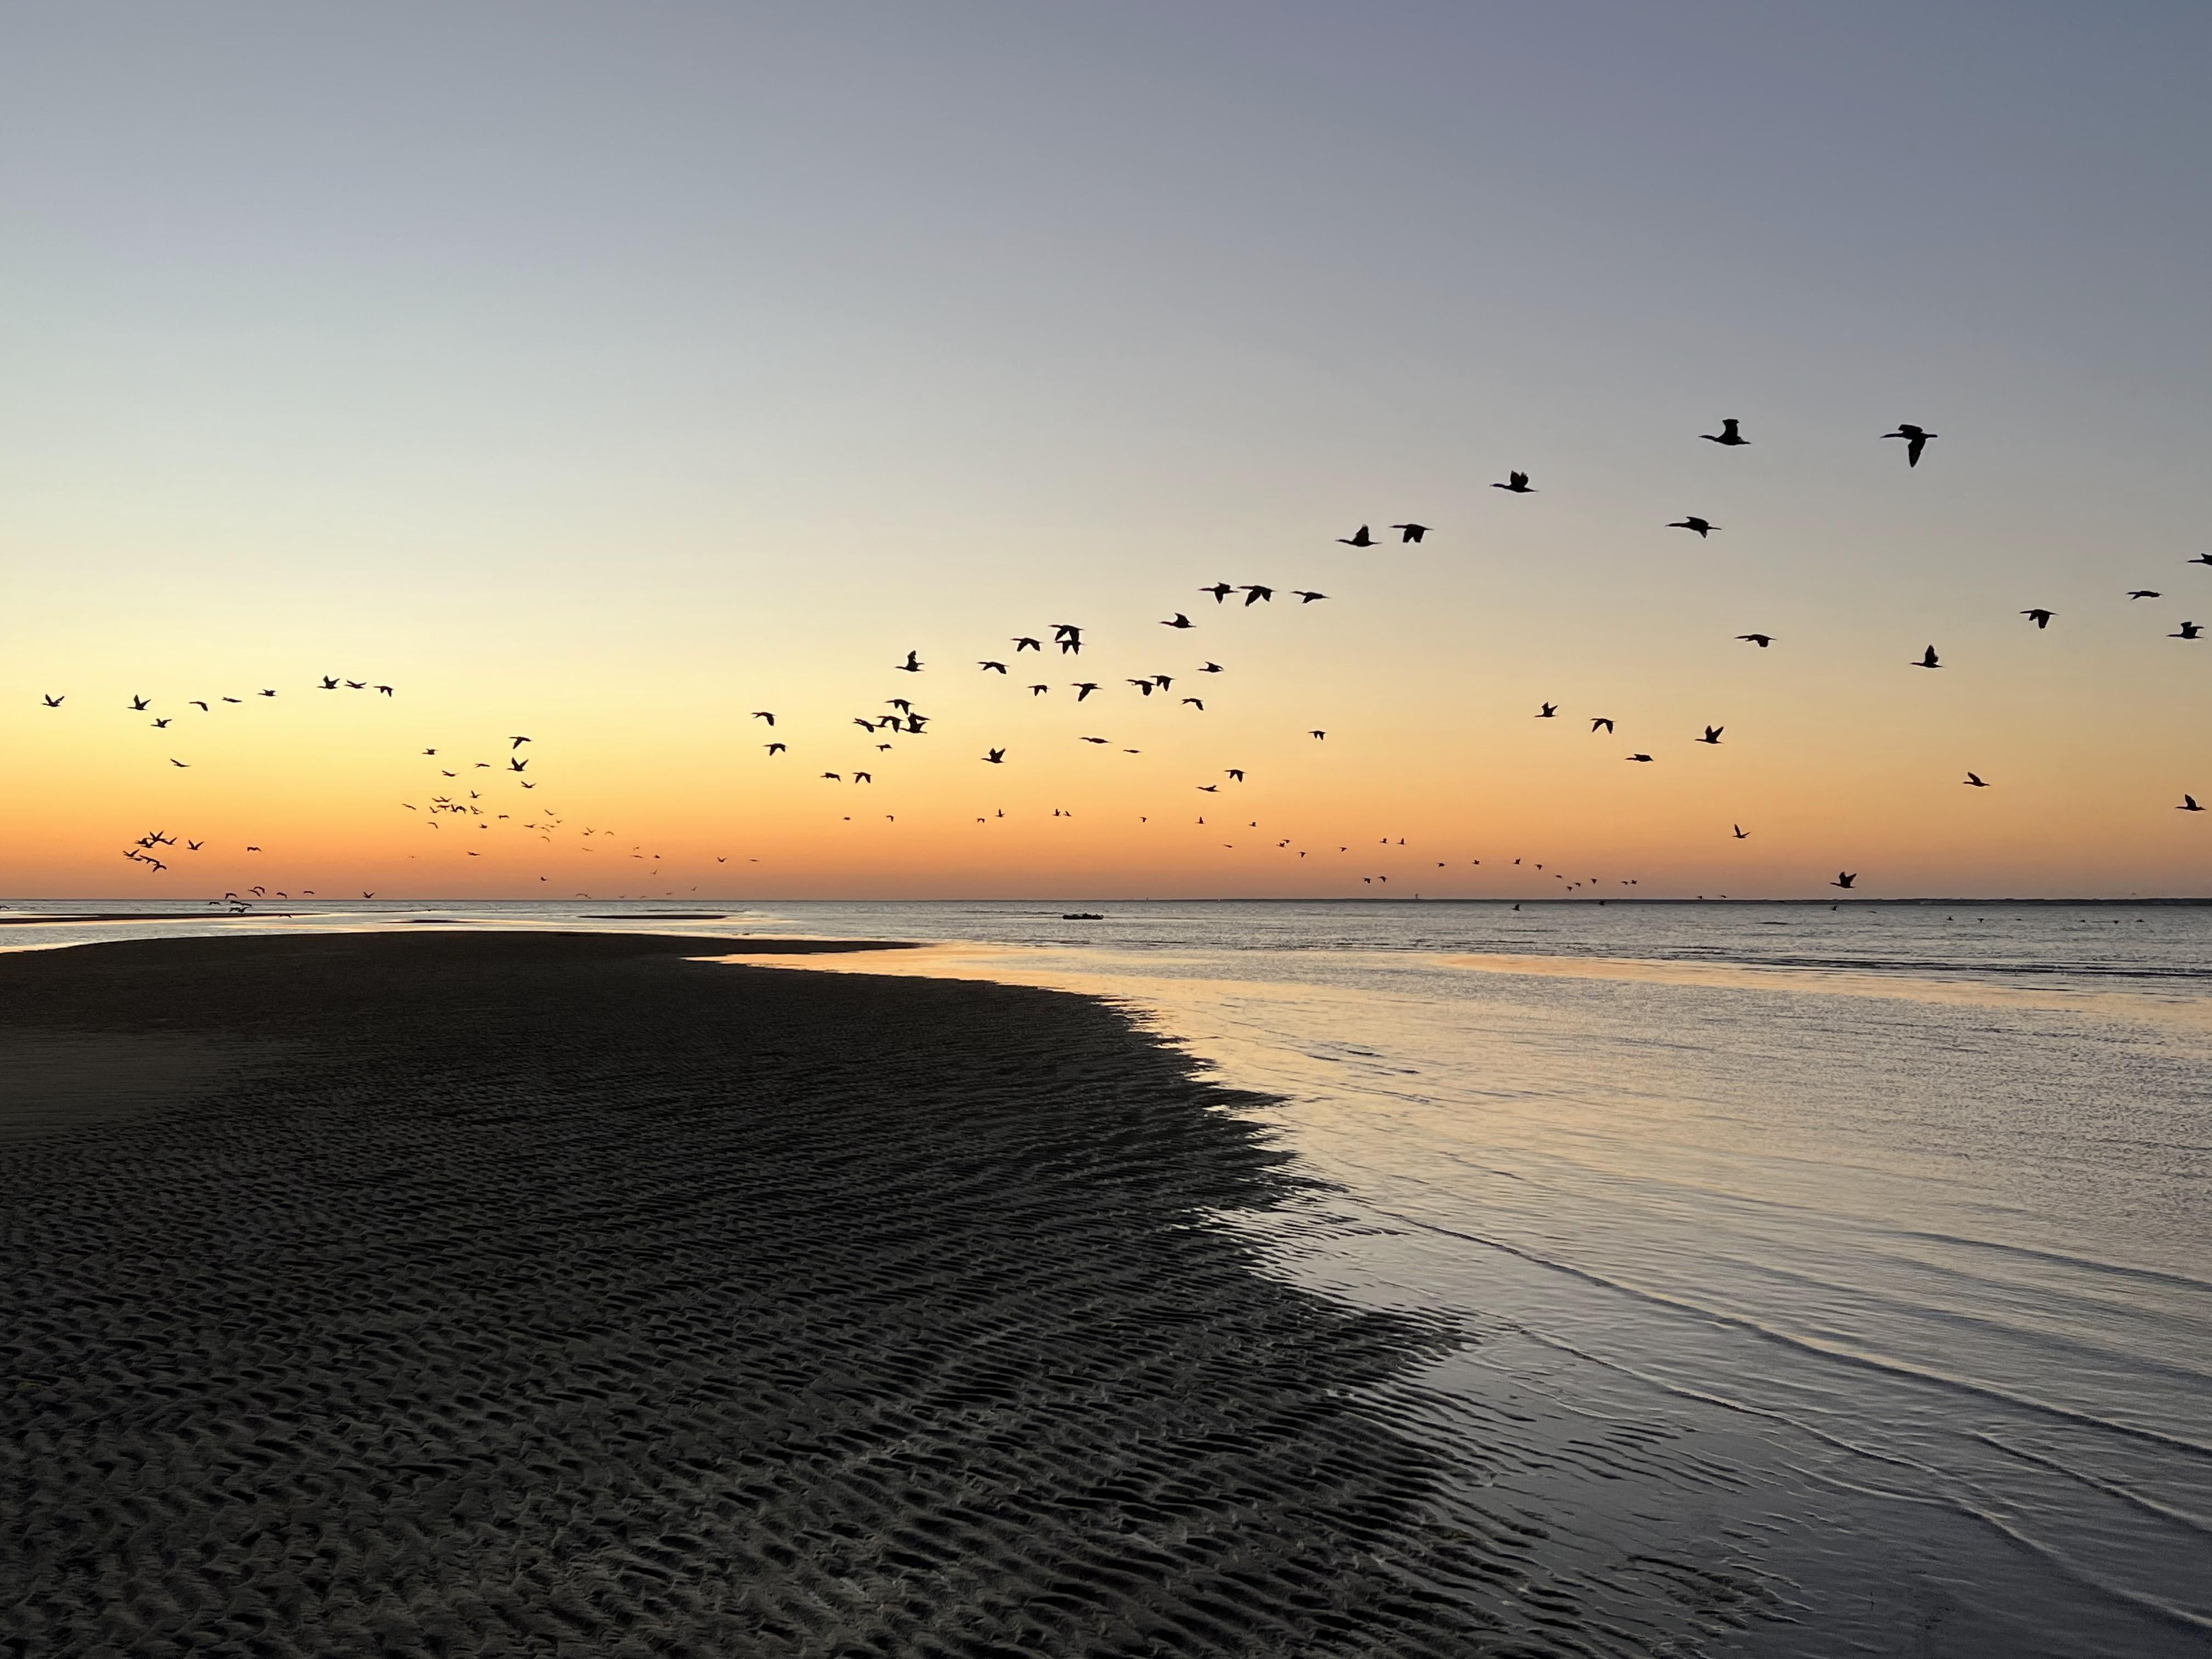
(1210,668)
(1039,691)
(1546,711)
(2039,616)
(1703,526)
(1517,483)
(2187,630)
(2202,558)
(1762,640)
(161,724)
(179,763)
(773,749)
(1359,538)
(52,702)
(137,705)
(1306,598)
(2188,804)
(758,715)
(1845,878)
(1317,736)
(1927,661)
(1235,772)
(1916,440)
(1640,758)
(516,743)
(996,757)
(1254,593)
(1411,532)
(911,665)
(1025,643)
(1179,621)
(2145,594)
(988,667)
(1601,721)
(1742,834)
(1728,434)
(1713,734)
(1196,703)
(1974,782)
(1219,590)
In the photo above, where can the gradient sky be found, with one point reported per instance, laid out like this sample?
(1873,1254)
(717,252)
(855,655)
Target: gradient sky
(603,373)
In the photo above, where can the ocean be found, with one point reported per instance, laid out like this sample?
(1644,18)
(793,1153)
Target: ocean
(1822,1280)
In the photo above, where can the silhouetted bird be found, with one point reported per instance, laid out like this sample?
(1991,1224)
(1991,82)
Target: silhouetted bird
(1916,440)
(1713,734)
(777,748)
(1974,782)
(758,715)
(2202,558)
(1728,434)
(1407,533)
(1742,834)
(2188,804)
(996,757)
(1703,526)
(1039,691)
(161,724)
(2145,594)
(1179,621)
(833,776)
(1083,688)
(1254,593)
(1219,590)
(1601,721)
(1100,740)
(1640,758)
(1210,668)
(1762,640)
(1546,711)
(988,667)
(137,705)
(1516,482)
(52,702)
(1845,878)
(1928,661)
(1359,538)
(1235,772)
(1196,703)
(1317,736)
(2187,630)
(176,763)
(912,664)
(2039,616)
(1025,643)
(513,742)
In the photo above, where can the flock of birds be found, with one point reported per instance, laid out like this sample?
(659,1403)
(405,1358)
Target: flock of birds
(465,806)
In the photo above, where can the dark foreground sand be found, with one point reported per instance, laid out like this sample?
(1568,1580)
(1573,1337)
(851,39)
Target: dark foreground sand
(517,1293)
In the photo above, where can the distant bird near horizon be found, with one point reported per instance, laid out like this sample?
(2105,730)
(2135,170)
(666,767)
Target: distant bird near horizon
(2039,616)
(1844,878)
(1928,661)
(1705,528)
(1762,640)
(1406,533)
(1516,482)
(1728,434)
(1357,538)
(1916,440)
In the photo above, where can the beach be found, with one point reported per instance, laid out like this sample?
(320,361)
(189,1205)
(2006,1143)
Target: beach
(497,1294)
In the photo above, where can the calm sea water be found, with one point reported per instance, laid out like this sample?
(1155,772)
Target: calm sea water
(1833,1280)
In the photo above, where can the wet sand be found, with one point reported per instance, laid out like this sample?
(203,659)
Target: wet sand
(539,1293)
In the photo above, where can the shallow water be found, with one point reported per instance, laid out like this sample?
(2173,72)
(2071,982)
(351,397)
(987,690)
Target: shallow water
(1862,1256)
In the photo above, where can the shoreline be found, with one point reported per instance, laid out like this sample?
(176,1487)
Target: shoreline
(511,1289)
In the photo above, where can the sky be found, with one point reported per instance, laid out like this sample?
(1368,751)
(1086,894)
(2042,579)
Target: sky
(601,375)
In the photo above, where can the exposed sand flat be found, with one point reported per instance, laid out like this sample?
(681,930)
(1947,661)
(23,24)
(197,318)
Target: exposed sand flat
(503,1293)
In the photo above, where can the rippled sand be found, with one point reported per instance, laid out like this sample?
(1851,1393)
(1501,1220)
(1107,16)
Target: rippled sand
(530,1293)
